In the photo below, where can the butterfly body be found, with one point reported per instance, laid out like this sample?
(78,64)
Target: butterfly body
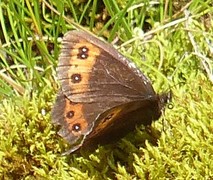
(103,95)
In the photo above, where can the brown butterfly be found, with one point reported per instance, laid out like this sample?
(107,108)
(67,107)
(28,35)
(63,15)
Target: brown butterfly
(103,95)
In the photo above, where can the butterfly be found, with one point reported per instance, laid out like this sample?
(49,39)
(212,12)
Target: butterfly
(103,95)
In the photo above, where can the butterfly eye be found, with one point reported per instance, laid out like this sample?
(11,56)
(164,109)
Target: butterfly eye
(83,52)
(76,127)
(76,78)
(70,114)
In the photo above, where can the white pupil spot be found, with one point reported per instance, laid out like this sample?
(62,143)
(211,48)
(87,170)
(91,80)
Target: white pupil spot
(84,50)
(76,78)
(77,128)
(83,56)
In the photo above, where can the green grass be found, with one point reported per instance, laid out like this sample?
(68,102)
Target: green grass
(175,52)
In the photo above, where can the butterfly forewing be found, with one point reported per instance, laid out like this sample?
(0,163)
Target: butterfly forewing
(96,72)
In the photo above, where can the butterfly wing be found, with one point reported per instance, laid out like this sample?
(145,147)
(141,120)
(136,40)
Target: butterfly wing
(115,123)
(92,71)
(96,82)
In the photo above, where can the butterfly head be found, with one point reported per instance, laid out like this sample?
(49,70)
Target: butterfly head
(166,98)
